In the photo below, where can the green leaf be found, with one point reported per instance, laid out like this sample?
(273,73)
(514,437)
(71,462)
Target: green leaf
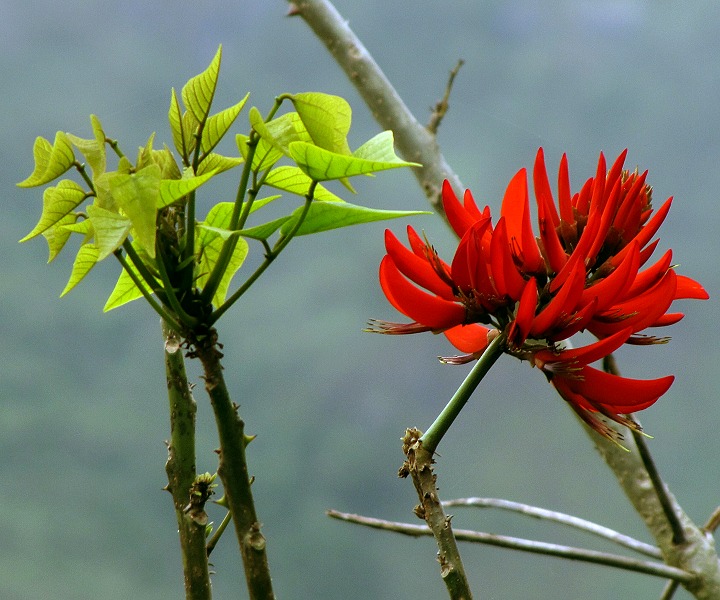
(179,135)
(327,118)
(172,190)
(264,231)
(93,149)
(198,92)
(138,194)
(323,165)
(85,260)
(293,180)
(84,228)
(217,163)
(217,125)
(323,216)
(111,230)
(58,201)
(58,235)
(125,289)
(51,161)
(210,243)
(265,156)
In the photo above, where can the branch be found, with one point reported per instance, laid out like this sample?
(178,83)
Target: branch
(513,543)
(413,140)
(562,518)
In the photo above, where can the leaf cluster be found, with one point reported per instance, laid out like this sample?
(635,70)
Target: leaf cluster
(144,211)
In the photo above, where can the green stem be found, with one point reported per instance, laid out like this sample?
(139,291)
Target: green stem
(212,542)
(181,471)
(233,471)
(439,428)
(269,258)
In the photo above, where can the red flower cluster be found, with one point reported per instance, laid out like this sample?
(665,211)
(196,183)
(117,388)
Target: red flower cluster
(582,273)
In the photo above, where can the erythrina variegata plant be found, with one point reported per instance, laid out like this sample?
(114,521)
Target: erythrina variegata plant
(145,213)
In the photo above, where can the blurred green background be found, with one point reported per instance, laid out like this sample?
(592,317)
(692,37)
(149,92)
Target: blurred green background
(82,402)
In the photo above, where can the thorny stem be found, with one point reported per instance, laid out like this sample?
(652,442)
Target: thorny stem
(233,470)
(181,471)
(419,466)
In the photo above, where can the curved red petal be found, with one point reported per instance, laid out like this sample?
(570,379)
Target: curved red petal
(427,309)
(564,195)
(415,268)
(689,289)
(586,354)
(520,327)
(471,338)
(650,229)
(508,281)
(460,217)
(516,210)
(667,319)
(561,306)
(650,276)
(618,394)
(543,194)
(612,288)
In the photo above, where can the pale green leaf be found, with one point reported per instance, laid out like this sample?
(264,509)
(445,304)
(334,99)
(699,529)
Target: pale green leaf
(83,228)
(322,165)
(111,230)
(93,149)
(293,180)
(327,118)
(85,260)
(198,92)
(58,235)
(323,216)
(125,289)
(218,124)
(210,243)
(51,161)
(172,190)
(218,163)
(137,194)
(58,201)
(264,231)
(265,156)
(176,126)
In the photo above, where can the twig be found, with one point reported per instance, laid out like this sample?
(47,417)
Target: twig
(441,107)
(413,140)
(513,543)
(562,518)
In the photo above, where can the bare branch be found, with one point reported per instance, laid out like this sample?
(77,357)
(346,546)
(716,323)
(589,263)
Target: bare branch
(513,543)
(562,518)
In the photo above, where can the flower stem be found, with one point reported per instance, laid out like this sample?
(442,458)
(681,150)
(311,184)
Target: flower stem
(431,438)
(181,470)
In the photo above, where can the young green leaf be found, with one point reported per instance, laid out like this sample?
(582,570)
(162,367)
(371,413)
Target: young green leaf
(51,161)
(293,180)
(84,261)
(323,216)
(93,149)
(111,230)
(198,92)
(58,201)
(265,156)
(219,124)
(217,163)
(373,156)
(179,135)
(327,118)
(138,194)
(125,289)
(171,190)
(58,235)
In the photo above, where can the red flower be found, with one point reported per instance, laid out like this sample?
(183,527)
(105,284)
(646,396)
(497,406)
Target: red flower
(584,271)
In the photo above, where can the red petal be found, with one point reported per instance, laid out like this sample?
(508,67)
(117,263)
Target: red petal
(650,276)
(650,229)
(564,196)
(468,338)
(516,210)
(460,217)
(619,394)
(520,327)
(612,288)
(562,305)
(586,354)
(415,268)
(543,194)
(427,309)
(689,288)
(508,282)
